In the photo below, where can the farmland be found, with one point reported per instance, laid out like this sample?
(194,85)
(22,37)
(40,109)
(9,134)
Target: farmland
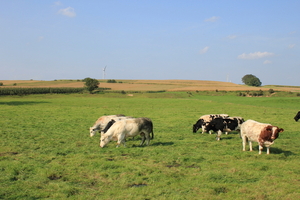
(151,85)
(46,151)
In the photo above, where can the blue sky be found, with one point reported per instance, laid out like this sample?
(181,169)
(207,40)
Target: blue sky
(150,39)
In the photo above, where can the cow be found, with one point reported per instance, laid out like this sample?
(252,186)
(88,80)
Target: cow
(220,125)
(264,134)
(102,122)
(204,120)
(239,120)
(297,117)
(122,129)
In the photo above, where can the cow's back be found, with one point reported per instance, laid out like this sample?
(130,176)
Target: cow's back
(252,129)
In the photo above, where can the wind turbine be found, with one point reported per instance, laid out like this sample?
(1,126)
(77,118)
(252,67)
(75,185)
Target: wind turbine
(104,72)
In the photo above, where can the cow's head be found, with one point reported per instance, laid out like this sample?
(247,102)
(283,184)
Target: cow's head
(270,133)
(275,132)
(297,117)
(93,131)
(104,139)
(198,125)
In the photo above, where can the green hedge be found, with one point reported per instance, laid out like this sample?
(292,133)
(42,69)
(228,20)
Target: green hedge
(26,91)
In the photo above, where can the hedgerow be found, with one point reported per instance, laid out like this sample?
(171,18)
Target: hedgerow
(27,91)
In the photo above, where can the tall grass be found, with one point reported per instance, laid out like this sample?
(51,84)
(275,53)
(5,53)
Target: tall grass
(46,151)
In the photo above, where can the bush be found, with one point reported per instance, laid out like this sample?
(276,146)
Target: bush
(271,91)
(111,81)
(1,84)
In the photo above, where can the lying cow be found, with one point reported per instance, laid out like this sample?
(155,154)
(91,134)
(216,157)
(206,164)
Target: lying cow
(220,125)
(297,117)
(204,120)
(101,123)
(264,134)
(122,129)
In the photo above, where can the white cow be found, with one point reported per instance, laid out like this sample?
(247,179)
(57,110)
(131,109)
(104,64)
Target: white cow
(264,134)
(128,128)
(101,122)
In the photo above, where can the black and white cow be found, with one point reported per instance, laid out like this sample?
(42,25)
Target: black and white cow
(239,120)
(220,125)
(297,117)
(204,120)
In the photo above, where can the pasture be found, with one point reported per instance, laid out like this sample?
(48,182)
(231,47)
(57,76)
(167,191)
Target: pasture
(46,151)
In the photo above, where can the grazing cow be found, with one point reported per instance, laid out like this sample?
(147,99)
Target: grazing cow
(109,124)
(297,117)
(264,134)
(239,121)
(122,129)
(204,120)
(220,125)
(102,122)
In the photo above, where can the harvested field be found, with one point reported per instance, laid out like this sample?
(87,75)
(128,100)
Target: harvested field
(151,85)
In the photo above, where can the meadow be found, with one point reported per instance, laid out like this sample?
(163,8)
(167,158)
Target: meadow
(46,151)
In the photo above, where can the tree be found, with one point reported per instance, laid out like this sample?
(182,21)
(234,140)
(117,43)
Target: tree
(251,80)
(91,84)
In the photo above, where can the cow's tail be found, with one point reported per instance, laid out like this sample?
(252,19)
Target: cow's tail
(152,135)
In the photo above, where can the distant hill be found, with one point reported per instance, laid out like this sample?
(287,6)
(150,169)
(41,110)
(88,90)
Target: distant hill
(151,85)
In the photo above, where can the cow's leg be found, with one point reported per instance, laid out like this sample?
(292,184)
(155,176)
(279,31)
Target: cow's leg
(143,138)
(121,140)
(244,143)
(250,145)
(260,148)
(219,133)
(268,150)
(147,138)
(203,129)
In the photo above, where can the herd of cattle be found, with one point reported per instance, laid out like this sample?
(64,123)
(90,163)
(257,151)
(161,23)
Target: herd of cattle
(120,127)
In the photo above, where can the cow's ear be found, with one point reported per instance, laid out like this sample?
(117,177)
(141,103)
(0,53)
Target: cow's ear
(268,128)
(281,130)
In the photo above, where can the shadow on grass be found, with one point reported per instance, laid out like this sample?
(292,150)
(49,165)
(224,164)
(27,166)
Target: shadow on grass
(274,150)
(21,103)
(162,143)
(155,144)
(280,151)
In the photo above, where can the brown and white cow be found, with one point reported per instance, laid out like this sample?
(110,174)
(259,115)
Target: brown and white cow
(264,134)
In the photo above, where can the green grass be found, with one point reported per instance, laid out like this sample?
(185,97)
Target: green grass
(46,151)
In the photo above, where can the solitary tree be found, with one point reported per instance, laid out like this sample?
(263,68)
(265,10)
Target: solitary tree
(251,80)
(91,84)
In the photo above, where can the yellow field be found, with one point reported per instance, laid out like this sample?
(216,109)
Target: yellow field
(151,85)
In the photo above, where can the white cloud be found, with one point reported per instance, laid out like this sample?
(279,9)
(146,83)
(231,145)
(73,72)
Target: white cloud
(204,50)
(231,37)
(212,19)
(69,12)
(267,62)
(292,46)
(255,55)
(57,3)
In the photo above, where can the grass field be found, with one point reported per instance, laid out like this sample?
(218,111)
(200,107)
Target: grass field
(46,151)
